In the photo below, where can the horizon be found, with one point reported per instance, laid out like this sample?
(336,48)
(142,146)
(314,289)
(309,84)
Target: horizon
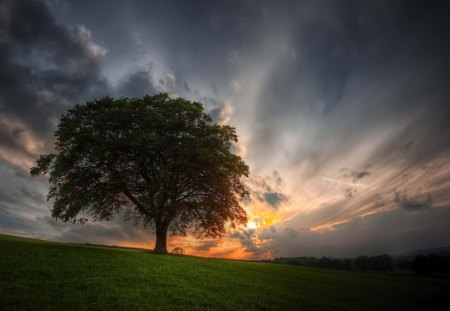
(341,110)
(408,254)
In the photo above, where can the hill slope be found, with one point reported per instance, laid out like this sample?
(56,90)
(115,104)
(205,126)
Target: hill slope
(44,275)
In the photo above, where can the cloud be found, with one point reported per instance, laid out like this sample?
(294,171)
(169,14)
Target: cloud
(349,193)
(109,233)
(343,92)
(311,87)
(206,246)
(136,83)
(186,86)
(413,204)
(21,204)
(387,232)
(267,189)
(45,67)
(247,239)
(360,175)
(137,39)
(274,198)
(222,113)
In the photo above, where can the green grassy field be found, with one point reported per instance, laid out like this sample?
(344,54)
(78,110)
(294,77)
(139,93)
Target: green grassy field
(40,275)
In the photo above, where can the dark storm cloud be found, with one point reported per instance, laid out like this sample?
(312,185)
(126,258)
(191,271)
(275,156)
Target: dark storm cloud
(45,66)
(136,84)
(359,66)
(313,86)
(195,39)
(201,36)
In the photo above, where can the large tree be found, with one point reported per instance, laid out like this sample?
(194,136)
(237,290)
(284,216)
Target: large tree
(156,160)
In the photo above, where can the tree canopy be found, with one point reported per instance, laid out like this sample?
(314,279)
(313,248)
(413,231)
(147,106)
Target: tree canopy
(157,160)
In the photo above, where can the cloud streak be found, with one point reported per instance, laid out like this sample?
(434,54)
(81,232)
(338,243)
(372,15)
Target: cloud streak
(341,109)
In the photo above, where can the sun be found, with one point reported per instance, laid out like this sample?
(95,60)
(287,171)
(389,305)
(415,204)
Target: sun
(252,225)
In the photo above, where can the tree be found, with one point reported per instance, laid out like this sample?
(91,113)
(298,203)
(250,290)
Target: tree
(156,160)
(385,263)
(362,263)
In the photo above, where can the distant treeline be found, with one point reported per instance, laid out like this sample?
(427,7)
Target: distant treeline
(431,265)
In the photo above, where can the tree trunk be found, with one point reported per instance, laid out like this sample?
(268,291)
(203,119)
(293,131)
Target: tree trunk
(161,238)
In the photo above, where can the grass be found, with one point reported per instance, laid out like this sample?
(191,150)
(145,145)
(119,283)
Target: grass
(41,275)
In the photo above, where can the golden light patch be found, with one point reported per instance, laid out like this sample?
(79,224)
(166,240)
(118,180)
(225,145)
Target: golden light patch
(328,226)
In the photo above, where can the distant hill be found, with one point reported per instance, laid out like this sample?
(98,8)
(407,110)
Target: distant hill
(409,255)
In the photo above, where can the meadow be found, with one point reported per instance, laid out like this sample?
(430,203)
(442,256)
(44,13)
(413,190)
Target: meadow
(42,275)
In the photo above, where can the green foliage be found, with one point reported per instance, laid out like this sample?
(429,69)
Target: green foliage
(157,160)
(39,275)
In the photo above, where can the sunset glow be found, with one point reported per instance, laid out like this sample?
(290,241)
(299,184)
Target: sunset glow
(341,110)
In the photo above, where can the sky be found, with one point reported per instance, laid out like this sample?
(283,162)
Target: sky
(342,109)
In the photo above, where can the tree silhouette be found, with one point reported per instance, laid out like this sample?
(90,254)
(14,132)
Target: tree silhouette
(362,263)
(431,264)
(156,160)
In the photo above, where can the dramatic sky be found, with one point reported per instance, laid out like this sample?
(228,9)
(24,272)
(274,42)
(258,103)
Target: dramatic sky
(342,109)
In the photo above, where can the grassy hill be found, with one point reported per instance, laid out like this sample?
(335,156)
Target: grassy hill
(41,275)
